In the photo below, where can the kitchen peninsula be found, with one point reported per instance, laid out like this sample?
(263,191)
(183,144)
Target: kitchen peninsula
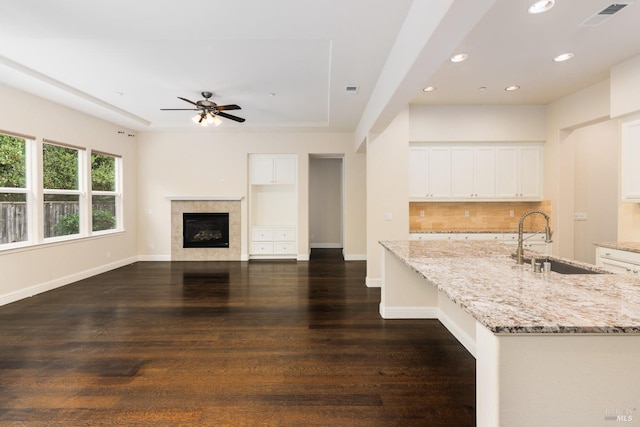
(551,349)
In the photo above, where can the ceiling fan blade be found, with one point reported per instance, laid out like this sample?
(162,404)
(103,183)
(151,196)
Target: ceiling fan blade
(228,107)
(190,102)
(179,109)
(229,116)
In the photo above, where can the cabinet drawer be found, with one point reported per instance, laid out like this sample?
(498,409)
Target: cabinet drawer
(481,236)
(261,248)
(282,248)
(262,234)
(285,234)
(620,255)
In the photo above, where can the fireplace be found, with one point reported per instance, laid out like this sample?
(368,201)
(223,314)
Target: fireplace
(205,230)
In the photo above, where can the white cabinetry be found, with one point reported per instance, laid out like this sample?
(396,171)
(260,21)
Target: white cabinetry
(429,172)
(473,172)
(532,241)
(519,172)
(273,206)
(273,169)
(618,261)
(630,175)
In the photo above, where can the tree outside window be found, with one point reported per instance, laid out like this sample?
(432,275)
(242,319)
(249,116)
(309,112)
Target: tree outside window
(13,189)
(60,181)
(104,196)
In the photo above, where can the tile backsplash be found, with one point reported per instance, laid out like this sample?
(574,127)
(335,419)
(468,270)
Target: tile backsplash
(476,216)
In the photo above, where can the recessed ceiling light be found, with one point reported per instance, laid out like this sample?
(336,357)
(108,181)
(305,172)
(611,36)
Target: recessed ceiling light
(563,57)
(482,88)
(429,89)
(459,57)
(512,88)
(541,6)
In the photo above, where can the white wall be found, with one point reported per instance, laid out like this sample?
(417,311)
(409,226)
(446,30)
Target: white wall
(214,163)
(595,152)
(35,269)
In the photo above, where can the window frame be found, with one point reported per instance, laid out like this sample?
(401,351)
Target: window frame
(27,190)
(80,192)
(116,193)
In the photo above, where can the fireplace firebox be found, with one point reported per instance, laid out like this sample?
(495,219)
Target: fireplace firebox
(205,230)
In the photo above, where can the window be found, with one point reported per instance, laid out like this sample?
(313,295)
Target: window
(61,190)
(105,196)
(13,189)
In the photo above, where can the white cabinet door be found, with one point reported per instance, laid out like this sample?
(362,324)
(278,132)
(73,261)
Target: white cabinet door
(284,170)
(519,172)
(462,172)
(484,172)
(507,172)
(417,173)
(530,174)
(630,175)
(439,172)
(261,170)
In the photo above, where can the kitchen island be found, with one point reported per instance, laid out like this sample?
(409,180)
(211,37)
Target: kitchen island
(551,349)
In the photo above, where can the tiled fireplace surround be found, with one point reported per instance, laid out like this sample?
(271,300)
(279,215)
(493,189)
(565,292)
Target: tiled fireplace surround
(180,205)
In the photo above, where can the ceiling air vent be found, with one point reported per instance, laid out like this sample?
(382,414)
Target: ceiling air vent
(603,15)
(351,90)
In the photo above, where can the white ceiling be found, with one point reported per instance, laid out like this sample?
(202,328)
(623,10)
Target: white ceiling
(124,60)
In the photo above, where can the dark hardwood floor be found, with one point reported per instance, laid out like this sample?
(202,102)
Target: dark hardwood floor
(228,344)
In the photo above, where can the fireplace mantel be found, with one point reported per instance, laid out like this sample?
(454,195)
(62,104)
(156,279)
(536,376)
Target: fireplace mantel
(206,198)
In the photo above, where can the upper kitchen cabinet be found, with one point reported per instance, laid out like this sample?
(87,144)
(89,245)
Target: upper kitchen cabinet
(630,175)
(272,169)
(519,172)
(429,172)
(475,172)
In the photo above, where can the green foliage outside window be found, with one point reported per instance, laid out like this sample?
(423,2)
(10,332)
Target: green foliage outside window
(13,166)
(103,172)
(60,167)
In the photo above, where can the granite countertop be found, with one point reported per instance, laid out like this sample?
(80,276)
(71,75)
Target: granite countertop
(485,281)
(623,246)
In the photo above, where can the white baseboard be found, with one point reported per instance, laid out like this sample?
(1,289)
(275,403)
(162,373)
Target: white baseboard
(354,257)
(303,257)
(326,245)
(373,283)
(57,283)
(154,257)
(409,312)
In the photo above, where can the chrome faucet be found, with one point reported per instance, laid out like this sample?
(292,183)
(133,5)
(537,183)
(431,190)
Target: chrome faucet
(547,232)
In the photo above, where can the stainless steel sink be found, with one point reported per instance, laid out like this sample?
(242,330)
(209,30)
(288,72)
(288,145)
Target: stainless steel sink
(566,268)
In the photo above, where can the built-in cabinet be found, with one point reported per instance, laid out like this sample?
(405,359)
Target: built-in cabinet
(630,175)
(273,205)
(618,261)
(531,241)
(475,172)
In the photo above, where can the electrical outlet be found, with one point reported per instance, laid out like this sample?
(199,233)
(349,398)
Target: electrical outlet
(388,216)
(108,254)
(511,214)
(580,216)
(421,214)
(466,213)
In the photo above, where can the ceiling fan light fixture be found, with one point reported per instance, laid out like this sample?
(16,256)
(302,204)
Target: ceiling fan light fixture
(215,120)
(196,118)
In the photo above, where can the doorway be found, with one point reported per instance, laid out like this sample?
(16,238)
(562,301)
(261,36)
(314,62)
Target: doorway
(326,181)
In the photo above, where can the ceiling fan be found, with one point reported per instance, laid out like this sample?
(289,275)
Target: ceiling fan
(208,111)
